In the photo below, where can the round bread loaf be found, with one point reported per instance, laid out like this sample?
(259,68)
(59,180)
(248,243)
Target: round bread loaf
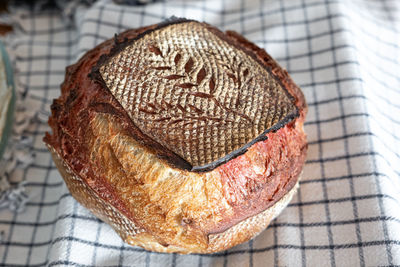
(181,137)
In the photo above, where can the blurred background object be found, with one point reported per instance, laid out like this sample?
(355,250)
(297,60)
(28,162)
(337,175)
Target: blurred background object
(4,27)
(7,98)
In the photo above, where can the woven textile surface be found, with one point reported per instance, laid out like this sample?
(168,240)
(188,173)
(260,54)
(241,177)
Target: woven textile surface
(345,55)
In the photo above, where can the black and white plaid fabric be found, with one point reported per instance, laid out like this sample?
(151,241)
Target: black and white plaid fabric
(345,55)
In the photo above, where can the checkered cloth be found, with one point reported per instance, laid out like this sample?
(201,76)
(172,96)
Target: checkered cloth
(345,55)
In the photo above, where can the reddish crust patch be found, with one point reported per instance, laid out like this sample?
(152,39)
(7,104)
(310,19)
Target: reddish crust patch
(250,173)
(258,179)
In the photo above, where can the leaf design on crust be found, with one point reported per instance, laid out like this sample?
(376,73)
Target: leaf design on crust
(174,77)
(201,75)
(189,65)
(211,84)
(195,109)
(194,93)
(155,50)
(185,85)
(232,76)
(161,68)
(177,58)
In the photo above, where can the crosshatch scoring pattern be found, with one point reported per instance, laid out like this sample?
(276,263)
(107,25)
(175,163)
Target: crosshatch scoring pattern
(344,55)
(193,112)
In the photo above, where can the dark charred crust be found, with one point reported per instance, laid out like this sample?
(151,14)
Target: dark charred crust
(162,151)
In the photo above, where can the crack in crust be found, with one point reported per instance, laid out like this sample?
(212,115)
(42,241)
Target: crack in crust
(204,99)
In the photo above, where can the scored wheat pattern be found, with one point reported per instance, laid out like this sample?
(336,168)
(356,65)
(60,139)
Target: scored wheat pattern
(195,93)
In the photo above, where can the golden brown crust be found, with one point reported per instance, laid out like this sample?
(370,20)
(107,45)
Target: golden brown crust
(134,235)
(171,210)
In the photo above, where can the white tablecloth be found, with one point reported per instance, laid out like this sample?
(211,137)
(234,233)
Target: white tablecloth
(345,55)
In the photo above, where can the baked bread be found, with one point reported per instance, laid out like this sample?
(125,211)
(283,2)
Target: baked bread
(181,137)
